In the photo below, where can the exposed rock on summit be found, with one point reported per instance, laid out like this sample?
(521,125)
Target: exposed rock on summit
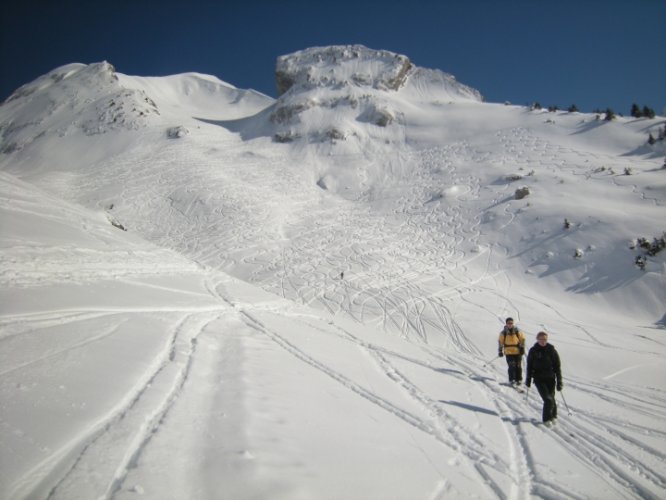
(349,87)
(338,65)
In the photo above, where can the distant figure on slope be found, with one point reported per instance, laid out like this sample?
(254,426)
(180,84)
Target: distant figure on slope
(512,344)
(342,275)
(543,365)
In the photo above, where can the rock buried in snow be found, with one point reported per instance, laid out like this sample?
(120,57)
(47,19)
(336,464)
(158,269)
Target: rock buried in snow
(522,192)
(177,132)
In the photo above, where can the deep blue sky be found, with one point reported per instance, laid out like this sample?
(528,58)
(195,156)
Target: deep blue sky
(592,53)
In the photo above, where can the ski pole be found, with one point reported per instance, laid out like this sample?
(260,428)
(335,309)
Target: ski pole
(565,403)
(490,361)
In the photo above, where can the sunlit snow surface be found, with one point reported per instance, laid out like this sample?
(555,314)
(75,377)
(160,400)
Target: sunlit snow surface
(309,290)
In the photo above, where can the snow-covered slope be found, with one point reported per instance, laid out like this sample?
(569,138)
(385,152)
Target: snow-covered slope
(69,118)
(306,298)
(198,96)
(91,96)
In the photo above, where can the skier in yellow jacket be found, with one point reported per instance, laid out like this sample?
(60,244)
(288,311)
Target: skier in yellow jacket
(512,345)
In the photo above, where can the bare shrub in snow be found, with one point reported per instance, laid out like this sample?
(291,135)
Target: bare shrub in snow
(653,247)
(641,262)
(335,134)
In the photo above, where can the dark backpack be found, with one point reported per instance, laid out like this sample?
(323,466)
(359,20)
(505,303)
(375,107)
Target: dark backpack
(543,362)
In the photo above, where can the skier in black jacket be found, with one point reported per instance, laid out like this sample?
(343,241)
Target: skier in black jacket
(543,365)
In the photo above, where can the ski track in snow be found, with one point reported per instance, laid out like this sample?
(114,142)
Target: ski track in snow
(114,444)
(407,270)
(599,453)
(449,438)
(403,284)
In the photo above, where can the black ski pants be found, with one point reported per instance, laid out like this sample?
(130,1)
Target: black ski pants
(515,362)
(546,388)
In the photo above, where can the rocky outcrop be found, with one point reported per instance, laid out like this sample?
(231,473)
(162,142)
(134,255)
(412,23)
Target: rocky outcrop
(341,65)
(126,109)
(177,132)
(522,192)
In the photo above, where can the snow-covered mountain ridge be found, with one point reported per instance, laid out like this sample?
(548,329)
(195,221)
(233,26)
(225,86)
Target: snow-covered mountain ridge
(91,94)
(337,87)
(363,125)
(95,99)
(339,67)
(306,298)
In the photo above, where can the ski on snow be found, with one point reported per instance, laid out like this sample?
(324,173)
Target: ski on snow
(518,388)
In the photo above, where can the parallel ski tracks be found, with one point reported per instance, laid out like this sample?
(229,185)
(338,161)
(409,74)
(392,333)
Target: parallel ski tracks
(388,284)
(441,427)
(601,455)
(433,420)
(98,451)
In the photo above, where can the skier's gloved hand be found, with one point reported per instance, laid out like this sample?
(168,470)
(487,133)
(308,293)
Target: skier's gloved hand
(559,386)
(528,382)
(500,353)
(521,349)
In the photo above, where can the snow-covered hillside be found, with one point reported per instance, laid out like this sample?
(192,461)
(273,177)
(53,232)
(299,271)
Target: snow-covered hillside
(210,293)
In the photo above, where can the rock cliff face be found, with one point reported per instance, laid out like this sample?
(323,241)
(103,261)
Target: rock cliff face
(331,94)
(338,66)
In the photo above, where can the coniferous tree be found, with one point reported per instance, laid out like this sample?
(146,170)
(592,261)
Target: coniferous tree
(651,139)
(573,109)
(610,114)
(648,112)
(636,111)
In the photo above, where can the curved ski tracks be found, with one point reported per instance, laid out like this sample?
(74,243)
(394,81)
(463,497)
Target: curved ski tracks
(403,283)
